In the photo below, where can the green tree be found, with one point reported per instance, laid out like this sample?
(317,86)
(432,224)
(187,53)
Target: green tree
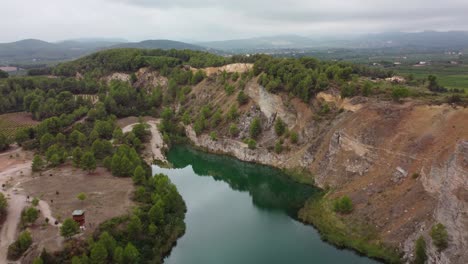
(233,130)
(294,137)
(118,256)
(420,251)
(433,84)
(17,249)
(21,136)
(69,228)
(77,154)
(343,205)
(29,215)
(88,162)
(255,128)
(131,254)
(439,236)
(3,142)
(37,163)
(280,127)
(3,205)
(141,131)
(98,254)
(251,143)
(213,136)
(55,160)
(242,98)
(35,202)
(232,113)
(400,92)
(134,226)
(108,241)
(117,135)
(278,147)
(139,175)
(46,141)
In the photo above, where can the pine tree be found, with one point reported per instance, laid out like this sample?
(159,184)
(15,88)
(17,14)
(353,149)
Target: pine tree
(69,228)
(37,163)
(98,254)
(139,175)
(131,254)
(88,162)
(255,128)
(77,155)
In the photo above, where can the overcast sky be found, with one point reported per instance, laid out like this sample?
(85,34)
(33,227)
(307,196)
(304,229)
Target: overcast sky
(201,20)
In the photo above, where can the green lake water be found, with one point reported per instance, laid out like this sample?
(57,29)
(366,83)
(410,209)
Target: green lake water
(239,212)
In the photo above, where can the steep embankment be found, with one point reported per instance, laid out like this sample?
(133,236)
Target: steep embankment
(403,165)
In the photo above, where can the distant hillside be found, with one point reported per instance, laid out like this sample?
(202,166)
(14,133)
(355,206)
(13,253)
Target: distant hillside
(424,40)
(159,44)
(262,43)
(427,40)
(37,51)
(33,51)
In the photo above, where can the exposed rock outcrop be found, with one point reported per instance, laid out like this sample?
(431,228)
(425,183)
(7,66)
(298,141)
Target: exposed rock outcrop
(403,165)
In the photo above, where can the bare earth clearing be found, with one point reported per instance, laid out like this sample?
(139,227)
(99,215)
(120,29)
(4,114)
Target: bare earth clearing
(107,197)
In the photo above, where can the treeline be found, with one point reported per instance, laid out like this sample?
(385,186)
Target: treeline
(130,60)
(47,96)
(305,77)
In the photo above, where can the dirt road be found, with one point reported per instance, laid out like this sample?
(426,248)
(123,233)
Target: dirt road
(11,170)
(156,142)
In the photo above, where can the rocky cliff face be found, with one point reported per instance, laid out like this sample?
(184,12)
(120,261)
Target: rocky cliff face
(403,165)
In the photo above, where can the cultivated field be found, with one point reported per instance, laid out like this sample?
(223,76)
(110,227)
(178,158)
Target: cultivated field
(12,122)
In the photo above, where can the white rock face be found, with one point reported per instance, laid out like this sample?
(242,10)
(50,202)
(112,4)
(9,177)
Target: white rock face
(449,181)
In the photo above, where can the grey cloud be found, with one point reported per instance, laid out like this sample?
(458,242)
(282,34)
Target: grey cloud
(223,19)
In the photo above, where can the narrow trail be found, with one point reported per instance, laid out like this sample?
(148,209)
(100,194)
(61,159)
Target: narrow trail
(16,203)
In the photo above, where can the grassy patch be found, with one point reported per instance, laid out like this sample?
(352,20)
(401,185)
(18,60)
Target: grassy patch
(344,232)
(300,175)
(450,76)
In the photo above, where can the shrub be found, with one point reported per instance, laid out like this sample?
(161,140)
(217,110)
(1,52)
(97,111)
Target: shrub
(280,127)
(29,215)
(343,205)
(399,92)
(233,130)
(252,144)
(17,249)
(242,98)
(420,251)
(294,137)
(69,228)
(439,236)
(229,89)
(3,204)
(255,128)
(278,147)
(213,136)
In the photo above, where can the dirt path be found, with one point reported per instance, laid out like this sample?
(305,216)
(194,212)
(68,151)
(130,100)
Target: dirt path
(9,176)
(156,142)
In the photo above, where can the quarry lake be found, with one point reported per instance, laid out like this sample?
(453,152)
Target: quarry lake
(239,212)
